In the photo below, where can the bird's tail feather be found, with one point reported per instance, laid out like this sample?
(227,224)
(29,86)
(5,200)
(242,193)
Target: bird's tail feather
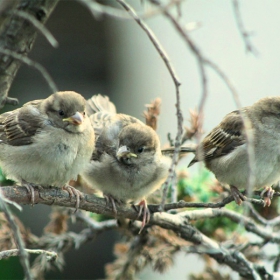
(100,103)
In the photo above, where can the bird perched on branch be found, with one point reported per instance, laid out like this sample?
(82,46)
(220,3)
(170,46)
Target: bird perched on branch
(225,149)
(47,142)
(127,164)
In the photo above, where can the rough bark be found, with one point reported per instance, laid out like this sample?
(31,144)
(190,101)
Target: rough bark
(18,35)
(179,223)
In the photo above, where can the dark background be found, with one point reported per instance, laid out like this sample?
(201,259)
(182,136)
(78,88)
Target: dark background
(80,63)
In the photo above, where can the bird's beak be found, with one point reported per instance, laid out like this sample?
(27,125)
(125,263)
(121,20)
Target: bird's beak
(123,151)
(76,119)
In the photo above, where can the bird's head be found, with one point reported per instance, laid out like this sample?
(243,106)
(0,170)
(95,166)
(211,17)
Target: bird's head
(267,105)
(66,109)
(138,144)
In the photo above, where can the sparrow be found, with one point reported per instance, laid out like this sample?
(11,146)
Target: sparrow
(127,163)
(225,149)
(47,142)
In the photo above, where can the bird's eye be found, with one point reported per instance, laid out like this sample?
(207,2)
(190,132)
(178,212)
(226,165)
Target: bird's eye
(61,112)
(140,150)
(84,114)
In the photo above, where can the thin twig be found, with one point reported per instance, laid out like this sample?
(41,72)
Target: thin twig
(249,265)
(244,34)
(273,222)
(51,256)
(33,64)
(24,259)
(18,36)
(179,224)
(182,204)
(177,83)
(204,95)
(37,24)
(97,226)
(99,10)
(203,60)
(276,262)
(235,217)
(256,215)
(16,205)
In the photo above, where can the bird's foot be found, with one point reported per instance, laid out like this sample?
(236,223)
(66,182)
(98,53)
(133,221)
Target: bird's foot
(267,195)
(237,195)
(30,190)
(74,192)
(143,209)
(113,201)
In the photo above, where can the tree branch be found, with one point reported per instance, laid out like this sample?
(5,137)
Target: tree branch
(23,255)
(179,223)
(170,180)
(244,34)
(34,64)
(18,35)
(92,203)
(51,256)
(40,27)
(99,10)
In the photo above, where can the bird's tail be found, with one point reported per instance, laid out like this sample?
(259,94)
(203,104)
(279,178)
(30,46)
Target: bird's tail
(100,103)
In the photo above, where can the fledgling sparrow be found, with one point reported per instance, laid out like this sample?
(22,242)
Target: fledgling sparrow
(225,152)
(47,142)
(127,164)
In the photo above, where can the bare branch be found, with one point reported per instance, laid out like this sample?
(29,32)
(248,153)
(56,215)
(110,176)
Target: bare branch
(92,203)
(235,217)
(18,36)
(37,24)
(17,236)
(177,84)
(99,10)
(240,257)
(244,34)
(7,201)
(206,245)
(62,243)
(51,256)
(205,61)
(33,64)
(182,204)
(179,223)
(273,222)
(97,226)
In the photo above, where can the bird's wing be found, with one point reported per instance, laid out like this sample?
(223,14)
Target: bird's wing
(18,126)
(107,128)
(100,103)
(100,121)
(223,139)
(100,110)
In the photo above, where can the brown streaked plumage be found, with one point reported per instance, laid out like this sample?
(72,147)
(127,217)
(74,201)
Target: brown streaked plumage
(224,149)
(127,164)
(46,142)
(223,139)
